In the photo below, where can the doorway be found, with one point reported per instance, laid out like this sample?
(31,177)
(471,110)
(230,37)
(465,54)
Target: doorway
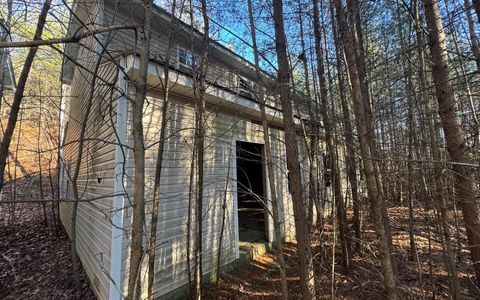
(251,204)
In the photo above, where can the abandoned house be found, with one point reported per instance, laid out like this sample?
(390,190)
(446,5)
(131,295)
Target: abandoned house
(235,171)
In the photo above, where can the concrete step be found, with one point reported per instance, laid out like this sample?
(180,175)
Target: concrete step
(250,251)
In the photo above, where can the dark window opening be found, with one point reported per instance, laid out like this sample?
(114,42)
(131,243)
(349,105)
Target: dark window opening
(251,192)
(245,88)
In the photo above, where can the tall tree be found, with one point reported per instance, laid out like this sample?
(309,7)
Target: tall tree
(268,158)
(136,248)
(161,145)
(365,146)
(19,91)
(350,155)
(200,150)
(307,277)
(327,124)
(465,186)
(438,195)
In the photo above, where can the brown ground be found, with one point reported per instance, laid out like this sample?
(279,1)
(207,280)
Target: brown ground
(35,261)
(261,280)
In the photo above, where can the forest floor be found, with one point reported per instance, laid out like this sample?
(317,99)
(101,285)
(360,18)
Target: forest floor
(425,278)
(35,263)
(35,258)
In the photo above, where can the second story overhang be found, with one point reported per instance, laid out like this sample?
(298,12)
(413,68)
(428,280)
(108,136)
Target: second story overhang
(181,83)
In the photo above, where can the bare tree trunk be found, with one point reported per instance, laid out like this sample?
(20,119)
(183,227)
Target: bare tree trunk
(224,211)
(40,173)
(454,134)
(192,177)
(358,45)
(307,278)
(349,141)
(362,126)
(407,73)
(438,194)
(20,88)
(16,164)
(136,248)
(312,145)
(161,145)
(327,124)
(473,34)
(269,161)
(200,149)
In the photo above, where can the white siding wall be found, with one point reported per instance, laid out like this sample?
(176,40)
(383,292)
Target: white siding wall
(222,131)
(97,170)
(97,165)
(126,41)
(95,180)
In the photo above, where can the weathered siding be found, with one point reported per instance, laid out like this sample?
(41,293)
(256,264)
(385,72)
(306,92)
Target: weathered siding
(126,41)
(97,169)
(223,129)
(97,165)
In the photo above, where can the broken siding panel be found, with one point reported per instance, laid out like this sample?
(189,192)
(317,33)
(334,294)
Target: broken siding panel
(96,170)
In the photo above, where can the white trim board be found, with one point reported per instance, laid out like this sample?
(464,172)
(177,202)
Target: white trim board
(116,247)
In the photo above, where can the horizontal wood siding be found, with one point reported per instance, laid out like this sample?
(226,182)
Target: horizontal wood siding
(97,169)
(96,177)
(127,41)
(171,270)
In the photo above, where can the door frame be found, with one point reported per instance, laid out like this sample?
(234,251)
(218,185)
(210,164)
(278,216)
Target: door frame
(266,192)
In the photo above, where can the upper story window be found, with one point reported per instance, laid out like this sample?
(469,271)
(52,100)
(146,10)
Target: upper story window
(245,87)
(186,60)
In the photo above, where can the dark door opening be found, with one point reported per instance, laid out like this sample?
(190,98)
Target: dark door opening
(251,192)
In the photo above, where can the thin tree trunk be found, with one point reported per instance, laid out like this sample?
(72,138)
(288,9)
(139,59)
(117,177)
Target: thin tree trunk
(454,134)
(307,278)
(362,126)
(20,88)
(313,149)
(224,211)
(192,177)
(269,161)
(39,157)
(200,149)
(136,248)
(161,145)
(349,141)
(327,124)
(438,194)
(407,73)
(358,45)
(16,164)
